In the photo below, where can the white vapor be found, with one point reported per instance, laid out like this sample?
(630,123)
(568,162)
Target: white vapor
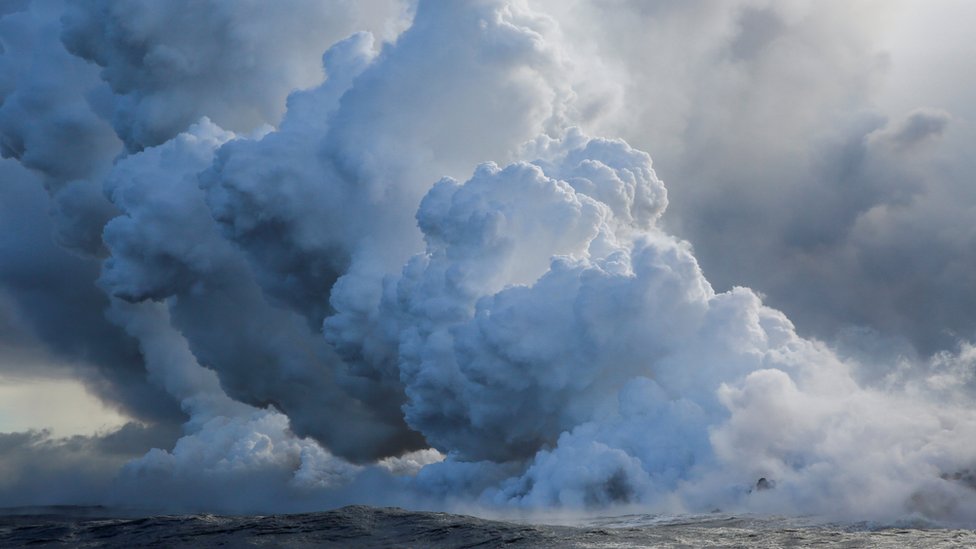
(373,253)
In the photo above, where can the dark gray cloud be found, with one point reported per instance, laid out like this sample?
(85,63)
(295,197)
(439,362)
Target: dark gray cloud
(58,306)
(318,206)
(48,124)
(45,118)
(171,63)
(38,469)
(918,126)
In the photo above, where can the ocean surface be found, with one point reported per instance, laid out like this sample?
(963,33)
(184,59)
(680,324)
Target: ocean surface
(361,526)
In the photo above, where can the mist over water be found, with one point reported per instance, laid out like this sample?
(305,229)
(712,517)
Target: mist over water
(414,254)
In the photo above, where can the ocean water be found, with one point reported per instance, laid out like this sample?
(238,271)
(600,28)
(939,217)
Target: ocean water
(362,526)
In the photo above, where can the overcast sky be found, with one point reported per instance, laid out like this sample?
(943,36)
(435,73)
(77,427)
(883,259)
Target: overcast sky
(488,254)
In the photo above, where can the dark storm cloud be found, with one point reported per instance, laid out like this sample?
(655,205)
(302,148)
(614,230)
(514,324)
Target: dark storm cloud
(48,125)
(818,235)
(55,298)
(919,126)
(45,120)
(38,469)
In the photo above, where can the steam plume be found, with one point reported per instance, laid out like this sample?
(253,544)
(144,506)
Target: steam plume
(394,265)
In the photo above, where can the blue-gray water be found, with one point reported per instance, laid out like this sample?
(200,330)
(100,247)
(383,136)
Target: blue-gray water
(361,526)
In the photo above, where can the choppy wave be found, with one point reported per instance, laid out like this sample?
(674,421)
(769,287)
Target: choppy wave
(362,526)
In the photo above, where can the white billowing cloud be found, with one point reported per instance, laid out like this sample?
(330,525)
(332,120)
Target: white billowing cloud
(411,463)
(622,377)
(166,246)
(281,201)
(461,321)
(253,450)
(166,239)
(304,272)
(319,205)
(326,193)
